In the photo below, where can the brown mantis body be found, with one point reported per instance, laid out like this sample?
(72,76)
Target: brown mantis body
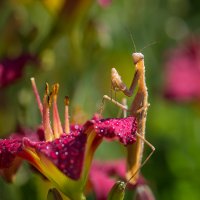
(139,110)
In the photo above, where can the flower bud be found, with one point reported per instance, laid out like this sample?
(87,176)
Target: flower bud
(143,192)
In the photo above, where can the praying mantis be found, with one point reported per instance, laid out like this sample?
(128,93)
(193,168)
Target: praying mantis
(138,109)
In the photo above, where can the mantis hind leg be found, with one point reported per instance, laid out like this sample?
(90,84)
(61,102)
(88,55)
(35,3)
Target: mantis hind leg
(146,159)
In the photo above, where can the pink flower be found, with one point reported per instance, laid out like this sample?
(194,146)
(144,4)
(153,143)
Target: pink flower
(103,176)
(63,155)
(182,77)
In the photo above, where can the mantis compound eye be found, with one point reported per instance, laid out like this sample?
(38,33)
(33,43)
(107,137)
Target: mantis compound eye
(137,57)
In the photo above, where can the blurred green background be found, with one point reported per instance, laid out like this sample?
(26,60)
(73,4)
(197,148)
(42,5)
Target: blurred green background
(76,43)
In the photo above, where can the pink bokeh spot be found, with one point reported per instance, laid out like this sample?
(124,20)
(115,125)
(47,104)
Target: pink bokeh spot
(104,3)
(11,69)
(182,75)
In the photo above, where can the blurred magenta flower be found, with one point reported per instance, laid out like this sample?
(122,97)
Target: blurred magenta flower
(63,155)
(11,69)
(182,75)
(103,176)
(104,3)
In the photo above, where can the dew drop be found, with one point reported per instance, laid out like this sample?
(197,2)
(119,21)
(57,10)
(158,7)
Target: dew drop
(53,155)
(71,162)
(76,127)
(62,166)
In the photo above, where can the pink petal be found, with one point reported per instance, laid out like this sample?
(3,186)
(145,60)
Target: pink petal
(67,153)
(9,149)
(123,129)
